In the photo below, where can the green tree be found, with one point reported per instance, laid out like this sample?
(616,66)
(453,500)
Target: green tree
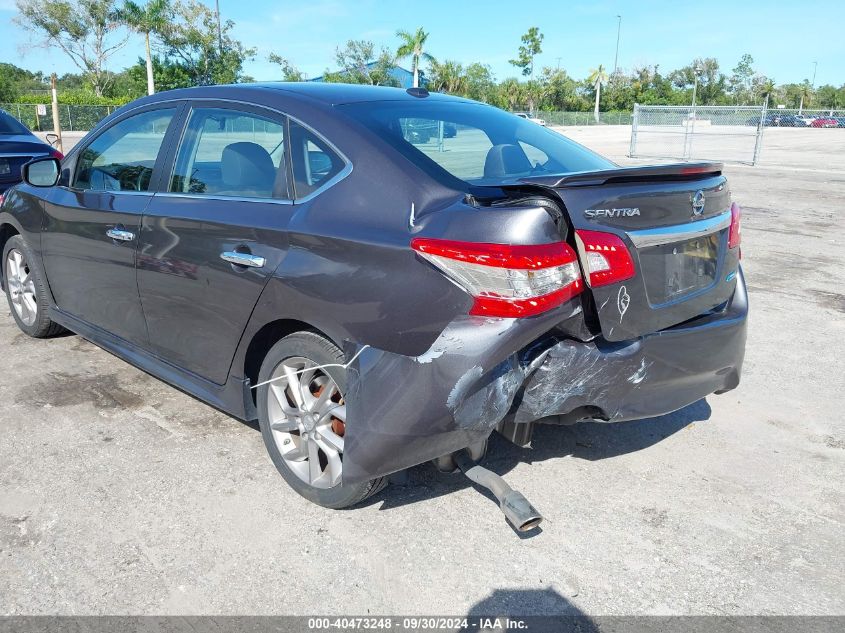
(511,93)
(191,40)
(740,80)
(168,75)
(560,92)
(447,76)
(84,30)
(765,88)
(597,77)
(148,20)
(710,84)
(480,83)
(360,64)
(413,45)
(531,47)
(289,71)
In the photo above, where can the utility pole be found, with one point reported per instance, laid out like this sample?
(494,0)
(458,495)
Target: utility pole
(558,62)
(618,33)
(57,127)
(219,30)
(815,67)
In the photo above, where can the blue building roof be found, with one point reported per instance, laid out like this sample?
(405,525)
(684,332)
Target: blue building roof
(403,76)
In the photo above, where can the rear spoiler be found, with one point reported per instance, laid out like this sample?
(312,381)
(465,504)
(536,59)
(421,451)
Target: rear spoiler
(673,172)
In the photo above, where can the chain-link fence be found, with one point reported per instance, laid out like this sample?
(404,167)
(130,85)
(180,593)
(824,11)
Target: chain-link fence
(559,117)
(724,133)
(72,118)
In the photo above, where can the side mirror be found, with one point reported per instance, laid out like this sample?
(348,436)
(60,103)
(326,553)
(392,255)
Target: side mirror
(41,172)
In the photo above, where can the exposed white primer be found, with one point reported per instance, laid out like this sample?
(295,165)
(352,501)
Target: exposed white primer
(638,376)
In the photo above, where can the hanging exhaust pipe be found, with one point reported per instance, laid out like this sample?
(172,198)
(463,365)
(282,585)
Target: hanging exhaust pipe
(517,509)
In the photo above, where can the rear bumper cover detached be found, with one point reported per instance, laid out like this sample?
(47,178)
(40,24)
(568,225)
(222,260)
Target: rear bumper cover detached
(407,410)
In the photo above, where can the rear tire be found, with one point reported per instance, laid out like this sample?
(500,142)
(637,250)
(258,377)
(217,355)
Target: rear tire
(26,290)
(303,438)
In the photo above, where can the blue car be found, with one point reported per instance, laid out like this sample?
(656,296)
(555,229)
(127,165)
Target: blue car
(18,146)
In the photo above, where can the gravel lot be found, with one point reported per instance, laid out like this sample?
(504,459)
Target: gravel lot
(119,494)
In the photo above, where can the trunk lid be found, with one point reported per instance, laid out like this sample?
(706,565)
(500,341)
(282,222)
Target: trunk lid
(674,220)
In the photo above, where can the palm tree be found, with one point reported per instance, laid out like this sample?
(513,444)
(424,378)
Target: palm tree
(596,79)
(447,76)
(767,89)
(413,46)
(151,18)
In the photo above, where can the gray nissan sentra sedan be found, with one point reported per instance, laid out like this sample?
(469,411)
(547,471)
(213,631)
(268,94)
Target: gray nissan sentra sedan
(380,277)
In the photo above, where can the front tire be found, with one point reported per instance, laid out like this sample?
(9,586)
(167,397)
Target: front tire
(26,290)
(302,416)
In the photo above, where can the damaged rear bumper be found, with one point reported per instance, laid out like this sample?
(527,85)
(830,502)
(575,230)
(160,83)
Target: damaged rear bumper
(407,410)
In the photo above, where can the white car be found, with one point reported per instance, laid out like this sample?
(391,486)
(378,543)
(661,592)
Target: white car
(525,115)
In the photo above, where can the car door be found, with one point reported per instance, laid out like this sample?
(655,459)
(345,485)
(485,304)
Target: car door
(92,222)
(209,243)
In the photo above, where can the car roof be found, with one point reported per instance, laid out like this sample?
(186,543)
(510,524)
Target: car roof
(327,93)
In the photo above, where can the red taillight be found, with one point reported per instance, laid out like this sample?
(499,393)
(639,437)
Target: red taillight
(735,235)
(606,258)
(507,281)
(56,154)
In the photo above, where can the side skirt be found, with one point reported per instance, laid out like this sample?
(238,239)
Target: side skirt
(233,398)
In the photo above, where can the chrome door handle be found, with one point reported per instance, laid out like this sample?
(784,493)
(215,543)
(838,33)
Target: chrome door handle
(121,235)
(243,259)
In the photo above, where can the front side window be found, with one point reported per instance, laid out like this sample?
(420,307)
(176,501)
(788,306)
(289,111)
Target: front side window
(231,153)
(473,144)
(123,157)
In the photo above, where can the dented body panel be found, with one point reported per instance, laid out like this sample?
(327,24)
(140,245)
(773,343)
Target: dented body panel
(480,372)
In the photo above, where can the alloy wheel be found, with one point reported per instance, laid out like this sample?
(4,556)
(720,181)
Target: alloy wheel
(21,281)
(308,421)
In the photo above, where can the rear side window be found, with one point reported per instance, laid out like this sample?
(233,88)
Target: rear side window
(231,153)
(313,162)
(467,144)
(123,157)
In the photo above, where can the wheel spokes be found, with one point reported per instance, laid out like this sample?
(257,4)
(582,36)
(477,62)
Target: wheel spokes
(314,468)
(287,425)
(330,438)
(294,385)
(334,465)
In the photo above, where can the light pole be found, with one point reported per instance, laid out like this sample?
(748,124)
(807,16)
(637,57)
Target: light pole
(695,72)
(219,30)
(618,32)
(815,67)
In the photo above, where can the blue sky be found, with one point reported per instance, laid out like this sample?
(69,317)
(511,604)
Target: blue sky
(783,37)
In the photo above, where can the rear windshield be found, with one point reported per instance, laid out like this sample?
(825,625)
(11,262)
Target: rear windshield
(10,125)
(474,143)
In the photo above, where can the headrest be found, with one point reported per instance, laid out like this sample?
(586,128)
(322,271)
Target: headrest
(245,165)
(503,160)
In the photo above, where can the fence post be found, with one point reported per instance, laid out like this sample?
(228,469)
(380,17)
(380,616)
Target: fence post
(57,127)
(758,143)
(632,150)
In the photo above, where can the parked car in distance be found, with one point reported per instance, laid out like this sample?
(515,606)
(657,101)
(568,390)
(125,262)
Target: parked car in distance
(533,119)
(825,121)
(18,146)
(289,253)
(776,119)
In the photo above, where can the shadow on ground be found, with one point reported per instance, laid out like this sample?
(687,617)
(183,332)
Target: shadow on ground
(546,611)
(591,441)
